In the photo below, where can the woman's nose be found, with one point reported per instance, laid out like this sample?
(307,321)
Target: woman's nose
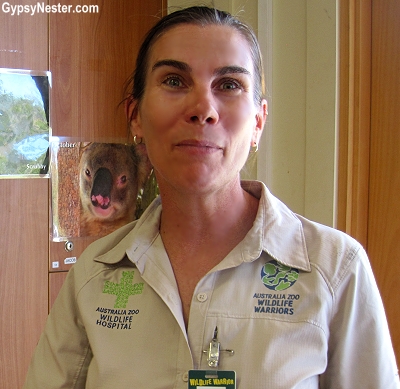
(201,107)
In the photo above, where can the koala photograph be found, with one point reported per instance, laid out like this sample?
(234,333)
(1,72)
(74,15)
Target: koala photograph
(110,178)
(98,187)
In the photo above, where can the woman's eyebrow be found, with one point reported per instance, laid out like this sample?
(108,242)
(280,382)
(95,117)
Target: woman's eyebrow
(173,63)
(231,70)
(183,66)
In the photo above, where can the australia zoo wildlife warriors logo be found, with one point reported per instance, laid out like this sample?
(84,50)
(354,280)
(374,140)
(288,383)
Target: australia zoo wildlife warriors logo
(278,277)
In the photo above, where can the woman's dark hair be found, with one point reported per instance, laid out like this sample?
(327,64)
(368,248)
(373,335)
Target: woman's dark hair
(201,16)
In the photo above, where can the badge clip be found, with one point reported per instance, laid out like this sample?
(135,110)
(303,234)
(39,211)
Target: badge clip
(214,350)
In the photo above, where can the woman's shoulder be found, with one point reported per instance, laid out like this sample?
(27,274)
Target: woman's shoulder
(333,252)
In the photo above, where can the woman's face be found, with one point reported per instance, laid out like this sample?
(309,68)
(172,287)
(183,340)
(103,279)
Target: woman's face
(197,116)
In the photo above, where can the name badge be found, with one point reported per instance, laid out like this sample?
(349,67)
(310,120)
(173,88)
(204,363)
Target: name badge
(209,379)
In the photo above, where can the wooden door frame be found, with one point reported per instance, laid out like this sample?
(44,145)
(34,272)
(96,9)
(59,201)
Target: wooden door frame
(354,119)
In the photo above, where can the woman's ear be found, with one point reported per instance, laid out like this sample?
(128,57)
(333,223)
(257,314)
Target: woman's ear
(133,117)
(261,118)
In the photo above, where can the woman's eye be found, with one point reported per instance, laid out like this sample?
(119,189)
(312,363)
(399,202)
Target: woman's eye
(230,85)
(174,82)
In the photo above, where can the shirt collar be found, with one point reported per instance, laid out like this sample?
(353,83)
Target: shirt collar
(276,230)
(136,242)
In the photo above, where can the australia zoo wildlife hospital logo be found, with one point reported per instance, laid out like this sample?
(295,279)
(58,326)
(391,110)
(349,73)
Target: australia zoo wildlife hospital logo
(118,317)
(277,278)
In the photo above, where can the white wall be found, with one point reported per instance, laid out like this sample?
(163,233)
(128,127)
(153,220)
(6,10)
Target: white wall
(296,158)
(301,133)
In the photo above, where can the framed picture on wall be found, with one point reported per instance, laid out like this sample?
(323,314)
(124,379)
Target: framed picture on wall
(24,123)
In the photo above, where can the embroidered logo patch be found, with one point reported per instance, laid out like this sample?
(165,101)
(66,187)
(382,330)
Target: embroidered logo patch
(276,276)
(124,289)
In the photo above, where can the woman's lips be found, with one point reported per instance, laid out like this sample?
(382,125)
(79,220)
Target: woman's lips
(198,146)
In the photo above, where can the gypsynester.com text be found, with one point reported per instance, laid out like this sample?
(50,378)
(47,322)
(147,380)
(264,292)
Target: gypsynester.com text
(41,7)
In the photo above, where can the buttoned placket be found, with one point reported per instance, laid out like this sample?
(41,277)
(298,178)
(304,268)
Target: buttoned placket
(199,324)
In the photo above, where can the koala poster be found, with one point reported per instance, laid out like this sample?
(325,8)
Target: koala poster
(98,187)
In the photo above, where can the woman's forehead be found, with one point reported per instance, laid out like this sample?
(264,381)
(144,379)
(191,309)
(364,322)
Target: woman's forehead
(211,44)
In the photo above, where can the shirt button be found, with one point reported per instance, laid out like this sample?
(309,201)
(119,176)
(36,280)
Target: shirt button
(201,297)
(185,377)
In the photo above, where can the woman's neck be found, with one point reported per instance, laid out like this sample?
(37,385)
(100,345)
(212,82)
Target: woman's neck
(222,218)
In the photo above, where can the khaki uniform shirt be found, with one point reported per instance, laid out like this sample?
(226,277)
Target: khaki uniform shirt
(296,301)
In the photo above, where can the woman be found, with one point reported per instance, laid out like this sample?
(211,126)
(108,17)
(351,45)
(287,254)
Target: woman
(217,279)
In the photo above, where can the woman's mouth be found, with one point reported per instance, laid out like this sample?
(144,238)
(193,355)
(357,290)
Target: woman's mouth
(198,146)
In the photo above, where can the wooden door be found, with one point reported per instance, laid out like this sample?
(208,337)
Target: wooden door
(369,140)
(384,181)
